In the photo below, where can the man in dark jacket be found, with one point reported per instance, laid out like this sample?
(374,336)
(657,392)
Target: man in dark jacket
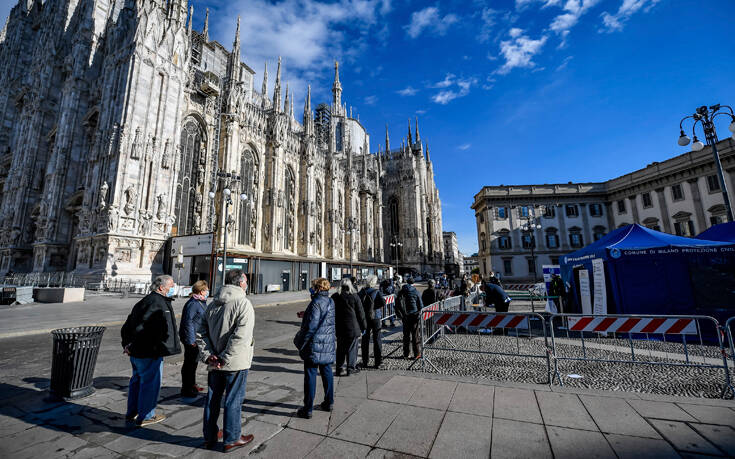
(373,305)
(148,335)
(350,319)
(430,295)
(495,295)
(413,305)
(317,346)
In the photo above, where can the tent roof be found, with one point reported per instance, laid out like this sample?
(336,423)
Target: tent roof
(724,232)
(637,237)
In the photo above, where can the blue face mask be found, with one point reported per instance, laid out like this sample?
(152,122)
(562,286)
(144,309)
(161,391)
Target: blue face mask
(171,292)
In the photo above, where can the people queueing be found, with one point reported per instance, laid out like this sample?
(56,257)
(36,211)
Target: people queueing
(226,344)
(148,335)
(493,279)
(191,318)
(495,295)
(556,291)
(350,321)
(316,342)
(412,306)
(373,304)
(430,295)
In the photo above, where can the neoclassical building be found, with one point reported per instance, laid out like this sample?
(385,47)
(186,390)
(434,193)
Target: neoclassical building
(122,127)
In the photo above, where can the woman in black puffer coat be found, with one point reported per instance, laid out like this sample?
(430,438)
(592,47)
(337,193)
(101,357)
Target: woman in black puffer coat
(317,347)
(350,325)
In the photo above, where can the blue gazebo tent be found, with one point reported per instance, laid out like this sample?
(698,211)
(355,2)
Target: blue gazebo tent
(724,232)
(649,272)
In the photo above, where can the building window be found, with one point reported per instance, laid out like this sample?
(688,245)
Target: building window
(507,267)
(502,213)
(717,214)
(716,220)
(554,260)
(575,237)
(187,207)
(621,206)
(504,241)
(531,266)
(684,228)
(552,239)
(289,215)
(572,210)
(483,242)
(338,136)
(247,212)
(549,212)
(676,193)
(482,217)
(598,232)
(524,211)
(646,198)
(713,183)
(527,241)
(596,210)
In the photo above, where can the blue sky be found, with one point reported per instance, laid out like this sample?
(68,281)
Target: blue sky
(507,92)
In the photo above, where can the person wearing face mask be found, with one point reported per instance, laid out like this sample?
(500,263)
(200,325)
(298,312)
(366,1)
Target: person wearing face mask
(191,318)
(148,335)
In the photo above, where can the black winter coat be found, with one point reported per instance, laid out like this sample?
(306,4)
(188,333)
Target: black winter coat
(494,294)
(318,343)
(150,329)
(430,296)
(350,318)
(411,298)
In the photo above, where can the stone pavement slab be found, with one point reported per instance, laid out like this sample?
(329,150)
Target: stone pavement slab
(660,410)
(578,443)
(637,447)
(463,435)
(433,394)
(710,414)
(343,409)
(399,389)
(413,431)
(331,447)
(615,416)
(564,410)
(368,423)
(473,399)
(722,437)
(683,437)
(516,404)
(288,444)
(519,439)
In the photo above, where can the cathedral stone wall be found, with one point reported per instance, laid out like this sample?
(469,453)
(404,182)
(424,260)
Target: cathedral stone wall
(122,127)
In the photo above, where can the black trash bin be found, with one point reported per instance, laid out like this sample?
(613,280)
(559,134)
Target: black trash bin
(74,358)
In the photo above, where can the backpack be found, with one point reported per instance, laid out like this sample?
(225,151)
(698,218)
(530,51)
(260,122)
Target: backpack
(368,305)
(399,306)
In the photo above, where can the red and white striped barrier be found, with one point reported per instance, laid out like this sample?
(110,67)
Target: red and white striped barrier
(481,320)
(654,325)
(429,311)
(390,299)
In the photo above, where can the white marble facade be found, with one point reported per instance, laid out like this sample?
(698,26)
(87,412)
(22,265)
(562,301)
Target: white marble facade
(116,117)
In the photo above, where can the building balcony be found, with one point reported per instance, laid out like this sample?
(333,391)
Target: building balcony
(210,84)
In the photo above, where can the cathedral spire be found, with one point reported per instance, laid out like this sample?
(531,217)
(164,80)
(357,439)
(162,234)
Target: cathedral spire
(277,88)
(410,141)
(387,140)
(205,32)
(191,18)
(307,120)
(428,159)
(293,102)
(287,102)
(264,89)
(236,43)
(336,87)
(418,137)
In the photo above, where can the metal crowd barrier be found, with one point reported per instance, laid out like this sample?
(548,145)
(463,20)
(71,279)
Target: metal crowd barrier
(389,312)
(728,332)
(592,333)
(433,322)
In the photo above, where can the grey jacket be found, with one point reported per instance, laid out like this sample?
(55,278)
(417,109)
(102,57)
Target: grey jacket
(227,330)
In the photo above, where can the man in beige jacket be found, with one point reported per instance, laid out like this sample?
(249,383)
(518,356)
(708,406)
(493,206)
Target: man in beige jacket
(225,341)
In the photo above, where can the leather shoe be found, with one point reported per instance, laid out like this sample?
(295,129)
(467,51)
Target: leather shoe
(326,407)
(244,440)
(302,413)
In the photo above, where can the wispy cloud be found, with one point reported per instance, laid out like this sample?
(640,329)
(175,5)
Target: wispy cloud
(487,17)
(371,100)
(407,91)
(452,88)
(616,22)
(429,19)
(519,50)
(420,112)
(573,10)
(564,63)
(464,146)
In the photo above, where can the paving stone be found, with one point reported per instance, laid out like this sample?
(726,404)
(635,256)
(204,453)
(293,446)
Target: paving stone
(332,447)
(473,399)
(287,444)
(58,447)
(573,443)
(352,386)
(463,435)
(711,414)
(516,404)
(376,379)
(616,416)
(519,439)
(398,390)
(722,437)
(683,437)
(564,410)
(368,423)
(660,410)
(343,408)
(11,425)
(92,451)
(183,418)
(433,393)
(627,447)
(318,424)
(378,453)
(412,431)
(27,438)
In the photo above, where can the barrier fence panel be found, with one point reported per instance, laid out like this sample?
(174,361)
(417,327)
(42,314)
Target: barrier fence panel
(674,341)
(729,324)
(519,325)
(389,312)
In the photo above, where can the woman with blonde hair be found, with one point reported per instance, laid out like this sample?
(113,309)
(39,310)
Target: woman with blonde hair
(191,318)
(316,342)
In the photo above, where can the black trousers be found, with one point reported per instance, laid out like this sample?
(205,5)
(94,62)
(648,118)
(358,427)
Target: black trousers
(372,331)
(411,335)
(189,369)
(347,351)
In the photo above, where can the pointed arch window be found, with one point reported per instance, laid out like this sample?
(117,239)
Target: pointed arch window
(190,179)
(248,170)
(289,188)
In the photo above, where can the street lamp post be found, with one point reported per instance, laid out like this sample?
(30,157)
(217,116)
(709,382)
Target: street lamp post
(395,246)
(230,182)
(706,116)
(179,265)
(529,229)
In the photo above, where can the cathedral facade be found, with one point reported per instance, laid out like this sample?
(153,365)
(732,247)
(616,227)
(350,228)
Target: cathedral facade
(123,127)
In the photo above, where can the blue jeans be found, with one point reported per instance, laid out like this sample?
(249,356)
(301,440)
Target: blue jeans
(233,384)
(144,387)
(325,371)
